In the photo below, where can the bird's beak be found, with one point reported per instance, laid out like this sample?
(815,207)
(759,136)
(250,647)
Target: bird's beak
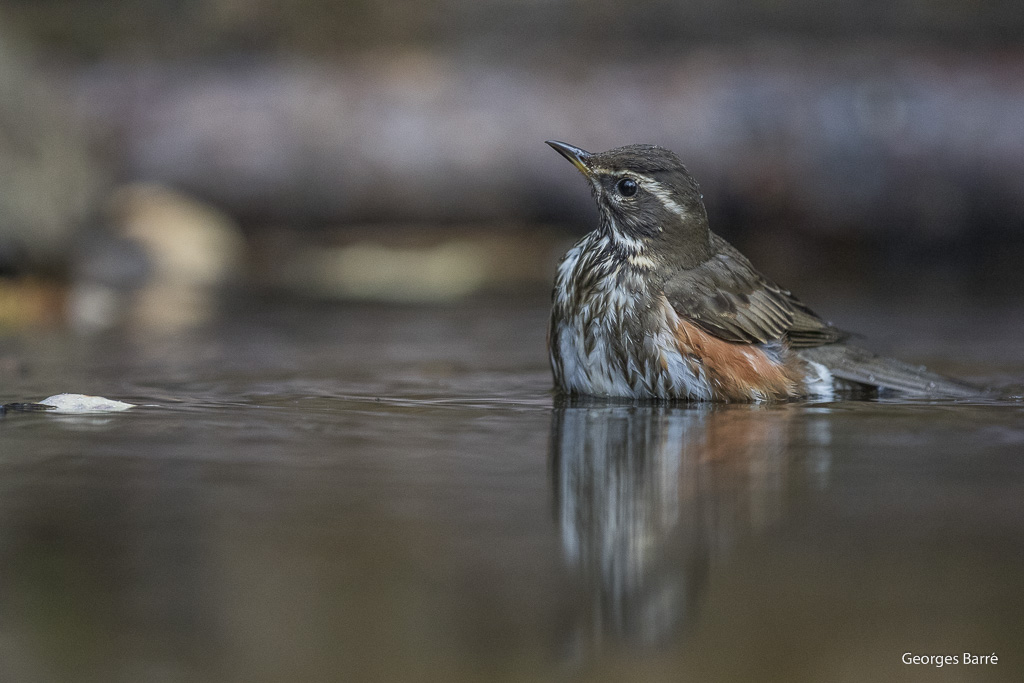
(580,158)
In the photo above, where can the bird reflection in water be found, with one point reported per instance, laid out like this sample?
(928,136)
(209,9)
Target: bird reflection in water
(651,497)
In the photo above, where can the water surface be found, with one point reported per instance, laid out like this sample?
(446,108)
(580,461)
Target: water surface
(361,493)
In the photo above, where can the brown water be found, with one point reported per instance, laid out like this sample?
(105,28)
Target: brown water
(338,493)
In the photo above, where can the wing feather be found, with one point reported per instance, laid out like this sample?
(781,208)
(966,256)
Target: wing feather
(728,298)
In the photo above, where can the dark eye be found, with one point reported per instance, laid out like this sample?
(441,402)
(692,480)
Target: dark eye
(627,187)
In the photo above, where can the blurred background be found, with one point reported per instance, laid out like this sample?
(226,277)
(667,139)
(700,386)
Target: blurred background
(155,151)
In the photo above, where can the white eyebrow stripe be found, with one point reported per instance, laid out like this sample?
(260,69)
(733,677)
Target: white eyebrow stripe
(655,188)
(647,182)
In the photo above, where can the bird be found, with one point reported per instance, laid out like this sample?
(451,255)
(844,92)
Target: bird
(654,305)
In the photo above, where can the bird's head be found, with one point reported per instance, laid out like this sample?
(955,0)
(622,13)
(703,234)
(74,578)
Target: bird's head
(649,204)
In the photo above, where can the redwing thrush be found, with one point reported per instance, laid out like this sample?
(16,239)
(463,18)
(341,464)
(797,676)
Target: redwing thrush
(652,304)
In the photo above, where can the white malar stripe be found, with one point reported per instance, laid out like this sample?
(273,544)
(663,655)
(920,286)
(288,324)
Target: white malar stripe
(631,245)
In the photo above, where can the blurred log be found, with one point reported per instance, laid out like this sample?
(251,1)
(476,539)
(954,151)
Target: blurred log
(863,140)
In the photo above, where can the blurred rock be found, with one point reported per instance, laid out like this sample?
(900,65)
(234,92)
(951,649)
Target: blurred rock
(161,266)
(29,302)
(49,178)
(189,242)
(83,404)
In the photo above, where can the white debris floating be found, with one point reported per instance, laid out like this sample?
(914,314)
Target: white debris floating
(80,403)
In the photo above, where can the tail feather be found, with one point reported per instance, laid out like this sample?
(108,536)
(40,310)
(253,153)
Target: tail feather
(854,364)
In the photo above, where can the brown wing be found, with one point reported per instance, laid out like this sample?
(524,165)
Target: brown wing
(728,298)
